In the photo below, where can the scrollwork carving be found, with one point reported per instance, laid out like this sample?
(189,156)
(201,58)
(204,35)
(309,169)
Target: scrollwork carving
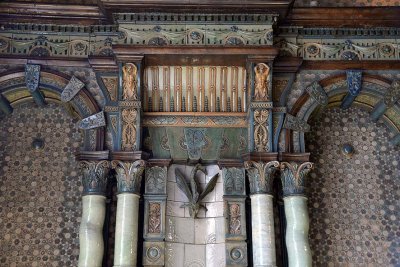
(235,225)
(129,129)
(129,175)
(154,221)
(261,129)
(261,176)
(293,177)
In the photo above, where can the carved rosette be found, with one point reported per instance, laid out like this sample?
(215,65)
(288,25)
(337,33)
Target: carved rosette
(261,130)
(261,176)
(236,254)
(94,176)
(129,130)
(153,253)
(293,177)
(156,180)
(129,175)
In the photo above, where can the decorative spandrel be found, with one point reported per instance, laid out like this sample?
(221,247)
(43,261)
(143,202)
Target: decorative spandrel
(129,175)
(261,176)
(191,189)
(94,176)
(294,176)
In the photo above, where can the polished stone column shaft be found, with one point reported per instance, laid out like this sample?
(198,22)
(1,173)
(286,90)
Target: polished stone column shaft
(297,244)
(91,231)
(126,230)
(262,222)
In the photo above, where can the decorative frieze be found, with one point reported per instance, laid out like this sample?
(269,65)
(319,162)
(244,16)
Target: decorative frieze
(71,89)
(317,93)
(94,121)
(94,176)
(129,175)
(261,176)
(233,121)
(293,177)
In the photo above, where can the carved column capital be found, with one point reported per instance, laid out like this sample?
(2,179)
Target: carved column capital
(261,175)
(94,176)
(293,176)
(129,175)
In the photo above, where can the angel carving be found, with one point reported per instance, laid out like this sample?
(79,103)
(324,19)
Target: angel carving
(129,82)
(261,71)
(192,192)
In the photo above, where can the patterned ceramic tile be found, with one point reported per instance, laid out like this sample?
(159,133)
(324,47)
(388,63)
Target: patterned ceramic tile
(40,198)
(354,202)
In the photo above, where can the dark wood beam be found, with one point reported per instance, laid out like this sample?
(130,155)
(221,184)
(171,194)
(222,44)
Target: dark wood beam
(345,64)
(344,17)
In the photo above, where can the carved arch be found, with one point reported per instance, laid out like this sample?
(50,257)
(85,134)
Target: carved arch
(374,89)
(52,83)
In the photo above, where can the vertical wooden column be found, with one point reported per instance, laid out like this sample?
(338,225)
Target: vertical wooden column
(233,175)
(294,171)
(95,167)
(154,212)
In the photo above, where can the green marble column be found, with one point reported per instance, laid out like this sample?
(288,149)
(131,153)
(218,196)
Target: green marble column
(129,177)
(95,168)
(293,178)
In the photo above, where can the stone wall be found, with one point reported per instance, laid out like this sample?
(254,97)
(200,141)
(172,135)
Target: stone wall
(40,199)
(354,203)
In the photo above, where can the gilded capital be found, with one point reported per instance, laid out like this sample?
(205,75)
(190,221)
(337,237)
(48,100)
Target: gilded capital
(94,176)
(293,177)
(261,176)
(129,175)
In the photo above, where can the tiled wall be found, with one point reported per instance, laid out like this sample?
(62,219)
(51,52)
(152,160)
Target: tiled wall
(199,242)
(40,199)
(354,203)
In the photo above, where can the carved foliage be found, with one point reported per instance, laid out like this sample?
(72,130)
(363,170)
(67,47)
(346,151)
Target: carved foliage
(234,183)
(154,220)
(261,176)
(261,87)
(293,177)
(111,84)
(392,95)
(261,129)
(32,76)
(93,121)
(156,178)
(317,93)
(129,129)
(235,225)
(129,82)
(72,88)
(195,141)
(94,176)
(354,81)
(129,175)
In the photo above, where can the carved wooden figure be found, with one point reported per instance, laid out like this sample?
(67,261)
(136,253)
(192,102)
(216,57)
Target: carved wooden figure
(261,88)
(129,71)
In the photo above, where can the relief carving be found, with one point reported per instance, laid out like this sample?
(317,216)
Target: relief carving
(73,87)
(293,177)
(156,178)
(93,121)
(154,218)
(392,95)
(234,219)
(111,84)
(261,130)
(261,88)
(261,176)
(129,129)
(129,175)
(234,183)
(129,82)
(94,176)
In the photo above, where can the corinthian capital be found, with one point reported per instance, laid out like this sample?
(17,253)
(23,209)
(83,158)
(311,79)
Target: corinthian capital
(94,176)
(294,176)
(129,175)
(261,176)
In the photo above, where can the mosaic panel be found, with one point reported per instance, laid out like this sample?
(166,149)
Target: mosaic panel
(353,203)
(347,3)
(40,199)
